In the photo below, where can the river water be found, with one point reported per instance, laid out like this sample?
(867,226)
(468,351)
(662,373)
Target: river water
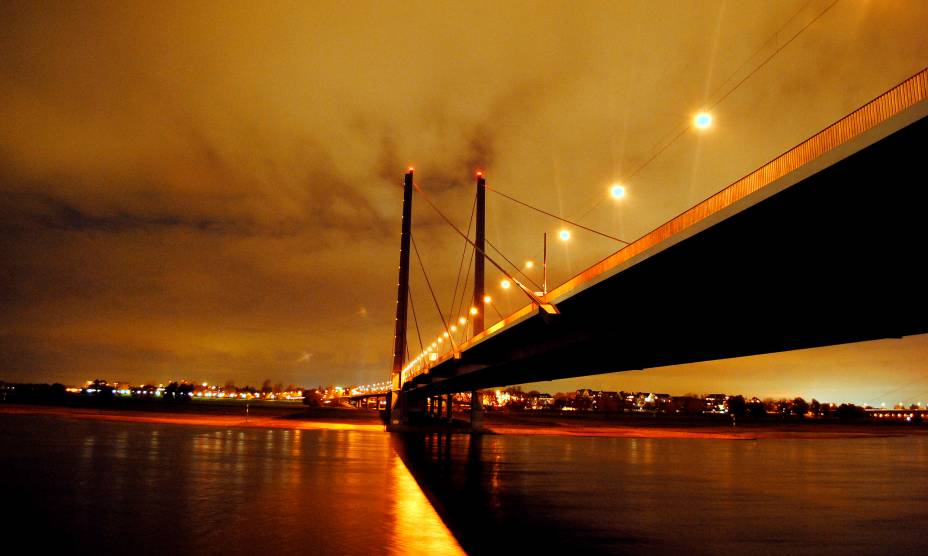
(100,487)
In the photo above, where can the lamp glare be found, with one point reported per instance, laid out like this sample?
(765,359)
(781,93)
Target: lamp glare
(702,120)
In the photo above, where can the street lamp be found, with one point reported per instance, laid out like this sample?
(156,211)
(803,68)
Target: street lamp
(544,261)
(702,120)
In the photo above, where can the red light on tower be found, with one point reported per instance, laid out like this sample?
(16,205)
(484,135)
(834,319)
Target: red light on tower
(410,169)
(479,173)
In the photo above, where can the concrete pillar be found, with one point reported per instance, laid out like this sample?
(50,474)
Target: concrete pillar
(476,411)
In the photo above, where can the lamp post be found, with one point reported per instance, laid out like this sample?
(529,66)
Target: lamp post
(544,265)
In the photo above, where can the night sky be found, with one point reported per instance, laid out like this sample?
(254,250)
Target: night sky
(212,190)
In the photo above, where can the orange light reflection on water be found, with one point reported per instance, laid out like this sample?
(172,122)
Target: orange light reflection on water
(416,525)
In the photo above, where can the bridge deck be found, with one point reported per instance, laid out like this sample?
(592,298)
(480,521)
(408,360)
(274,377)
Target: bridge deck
(847,185)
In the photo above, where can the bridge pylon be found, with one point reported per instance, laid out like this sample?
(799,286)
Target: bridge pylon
(397,410)
(405,410)
(476,409)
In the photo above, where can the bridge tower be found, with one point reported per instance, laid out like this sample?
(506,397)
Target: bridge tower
(480,249)
(397,402)
(476,409)
(402,410)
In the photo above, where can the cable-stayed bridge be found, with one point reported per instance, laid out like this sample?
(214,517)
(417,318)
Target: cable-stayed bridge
(822,245)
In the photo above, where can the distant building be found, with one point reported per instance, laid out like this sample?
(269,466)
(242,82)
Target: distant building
(541,401)
(715,403)
(907,415)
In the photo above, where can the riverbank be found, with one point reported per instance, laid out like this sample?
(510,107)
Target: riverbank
(633,427)
(284,418)
(291,416)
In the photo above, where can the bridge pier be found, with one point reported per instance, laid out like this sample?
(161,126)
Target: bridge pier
(476,412)
(430,414)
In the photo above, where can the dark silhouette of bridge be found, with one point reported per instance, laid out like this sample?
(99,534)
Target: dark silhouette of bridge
(823,245)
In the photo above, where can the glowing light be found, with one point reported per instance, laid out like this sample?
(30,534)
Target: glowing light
(445,334)
(487,299)
(564,235)
(617,191)
(473,310)
(462,321)
(411,169)
(479,173)
(454,328)
(702,120)
(441,340)
(505,284)
(529,264)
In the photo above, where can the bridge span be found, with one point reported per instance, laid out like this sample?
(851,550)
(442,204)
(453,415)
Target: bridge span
(823,245)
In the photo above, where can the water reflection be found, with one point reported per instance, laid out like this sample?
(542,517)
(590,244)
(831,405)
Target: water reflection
(476,490)
(602,495)
(116,488)
(416,525)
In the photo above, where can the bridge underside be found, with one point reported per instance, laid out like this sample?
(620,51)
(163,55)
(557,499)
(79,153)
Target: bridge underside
(834,258)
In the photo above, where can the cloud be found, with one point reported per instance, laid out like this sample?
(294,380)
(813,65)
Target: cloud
(212,188)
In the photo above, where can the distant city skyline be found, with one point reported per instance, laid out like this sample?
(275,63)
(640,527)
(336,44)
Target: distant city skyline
(826,374)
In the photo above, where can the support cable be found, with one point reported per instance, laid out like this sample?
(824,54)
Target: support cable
(460,305)
(415,320)
(552,215)
(467,294)
(519,270)
(431,291)
(525,290)
(894,390)
(775,52)
(457,282)
(664,144)
(500,315)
